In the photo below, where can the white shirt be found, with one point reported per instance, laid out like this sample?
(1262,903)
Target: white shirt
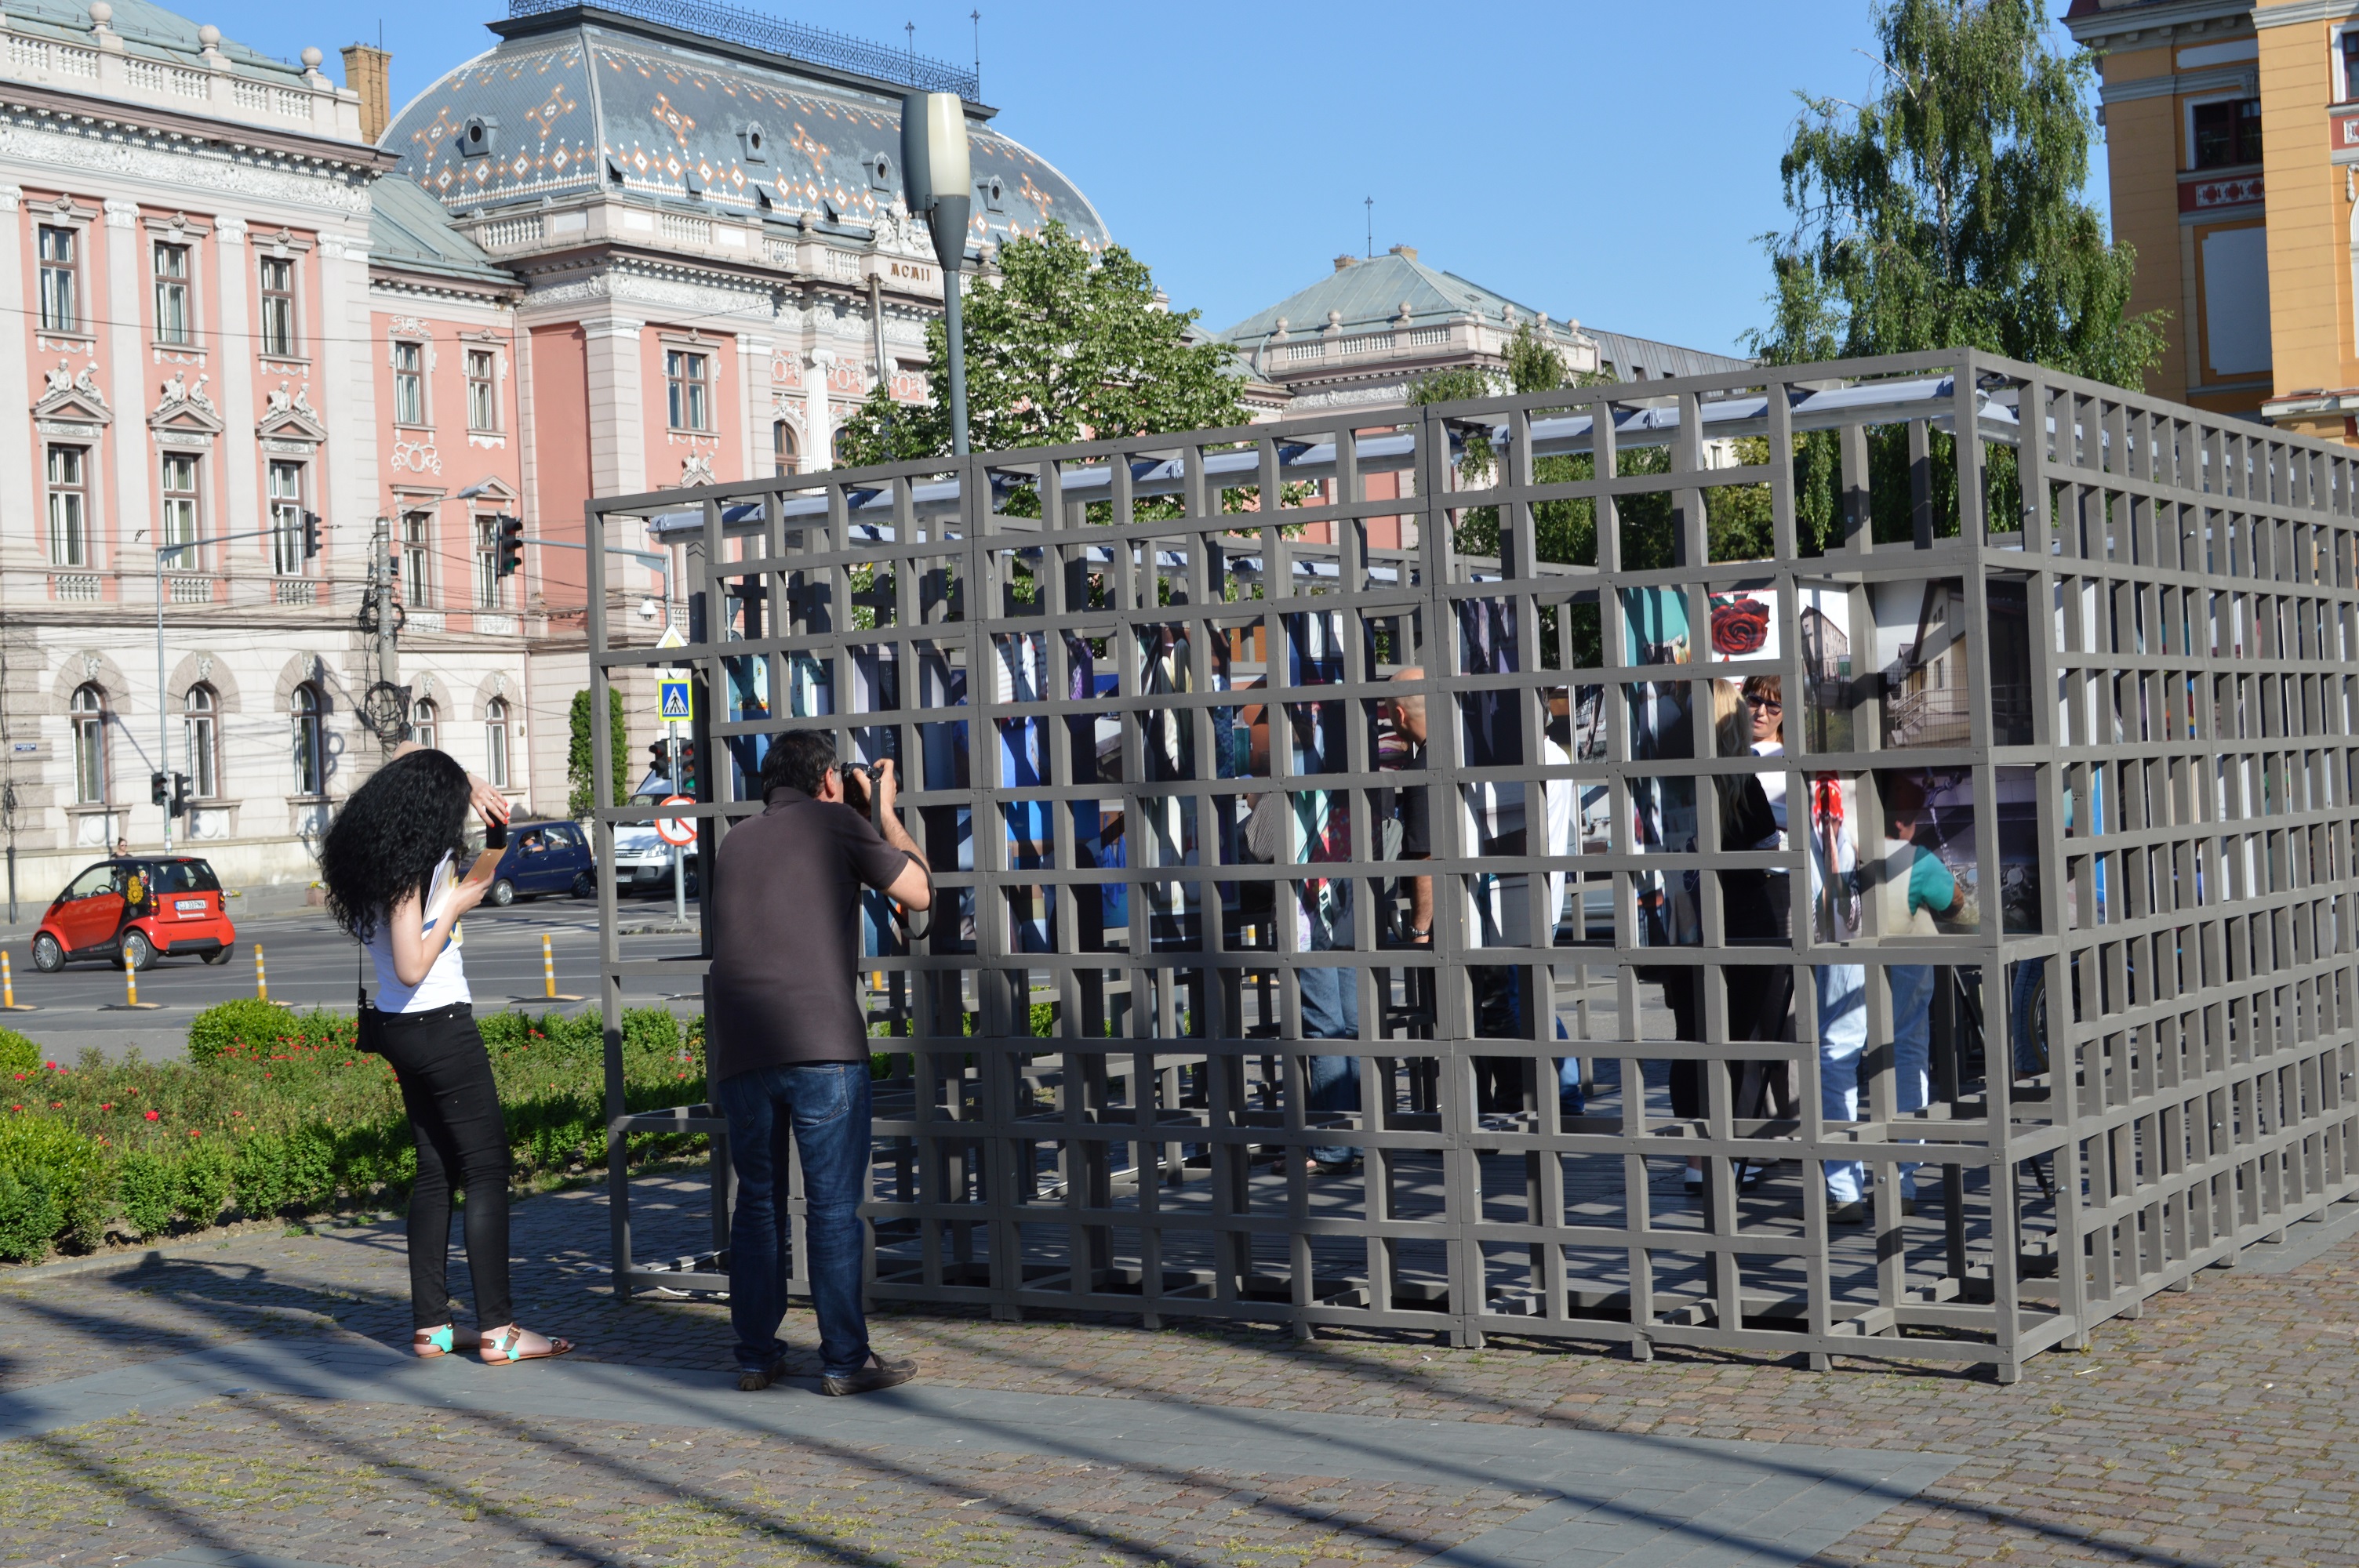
(446,982)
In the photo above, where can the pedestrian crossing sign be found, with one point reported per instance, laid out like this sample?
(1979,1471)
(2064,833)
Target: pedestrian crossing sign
(678,705)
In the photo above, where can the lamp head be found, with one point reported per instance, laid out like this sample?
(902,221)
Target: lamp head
(933,149)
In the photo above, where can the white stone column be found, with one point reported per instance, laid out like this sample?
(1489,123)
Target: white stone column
(229,336)
(819,447)
(618,429)
(347,405)
(527,450)
(20,504)
(126,393)
(754,381)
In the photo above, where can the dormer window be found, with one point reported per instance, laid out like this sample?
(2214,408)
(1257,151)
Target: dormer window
(994,194)
(880,172)
(753,141)
(477,135)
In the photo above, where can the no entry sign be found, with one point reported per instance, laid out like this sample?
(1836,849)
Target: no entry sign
(678,831)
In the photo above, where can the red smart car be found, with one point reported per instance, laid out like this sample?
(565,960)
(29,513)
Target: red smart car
(133,911)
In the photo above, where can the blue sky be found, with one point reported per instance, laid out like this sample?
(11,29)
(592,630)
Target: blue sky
(1608,162)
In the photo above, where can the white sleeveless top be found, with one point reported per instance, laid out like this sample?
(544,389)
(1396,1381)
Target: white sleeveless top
(445,983)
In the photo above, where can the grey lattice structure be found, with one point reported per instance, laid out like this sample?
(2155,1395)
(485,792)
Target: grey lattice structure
(2072,763)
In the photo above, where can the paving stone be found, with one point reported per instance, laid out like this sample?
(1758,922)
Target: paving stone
(2206,1431)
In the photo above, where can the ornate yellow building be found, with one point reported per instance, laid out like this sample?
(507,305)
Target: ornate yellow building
(2232,128)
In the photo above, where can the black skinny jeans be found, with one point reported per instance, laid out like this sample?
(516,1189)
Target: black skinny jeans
(454,1116)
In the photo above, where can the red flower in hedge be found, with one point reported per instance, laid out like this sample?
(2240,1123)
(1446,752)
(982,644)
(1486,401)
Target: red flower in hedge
(154,1114)
(108,1105)
(16,1106)
(1739,626)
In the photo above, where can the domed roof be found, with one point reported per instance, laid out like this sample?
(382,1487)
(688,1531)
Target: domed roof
(566,104)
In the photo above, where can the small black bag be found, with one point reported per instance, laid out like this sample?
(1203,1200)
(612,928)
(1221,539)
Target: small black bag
(370,1037)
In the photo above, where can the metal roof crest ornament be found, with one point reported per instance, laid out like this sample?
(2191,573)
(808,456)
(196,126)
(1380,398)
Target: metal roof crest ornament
(819,46)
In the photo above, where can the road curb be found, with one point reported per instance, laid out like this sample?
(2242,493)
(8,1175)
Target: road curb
(132,1258)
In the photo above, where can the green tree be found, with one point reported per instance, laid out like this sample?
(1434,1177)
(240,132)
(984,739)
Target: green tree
(1070,344)
(1947,213)
(581,781)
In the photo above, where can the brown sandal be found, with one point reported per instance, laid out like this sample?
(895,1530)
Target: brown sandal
(428,1344)
(500,1349)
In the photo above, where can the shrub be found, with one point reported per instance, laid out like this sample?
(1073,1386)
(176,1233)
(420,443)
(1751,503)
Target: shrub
(258,1167)
(235,1026)
(310,1168)
(18,1054)
(149,1189)
(30,1215)
(202,1185)
(52,1180)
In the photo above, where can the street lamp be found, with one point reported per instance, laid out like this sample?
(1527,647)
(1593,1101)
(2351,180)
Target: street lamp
(934,174)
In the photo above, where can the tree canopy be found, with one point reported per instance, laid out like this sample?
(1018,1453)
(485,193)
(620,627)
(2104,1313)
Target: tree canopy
(1069,344)
(1947,211)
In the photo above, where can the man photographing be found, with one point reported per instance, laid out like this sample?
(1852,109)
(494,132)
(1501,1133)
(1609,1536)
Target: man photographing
(787,1047)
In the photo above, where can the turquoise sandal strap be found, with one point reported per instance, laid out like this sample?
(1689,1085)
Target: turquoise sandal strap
(439,1338)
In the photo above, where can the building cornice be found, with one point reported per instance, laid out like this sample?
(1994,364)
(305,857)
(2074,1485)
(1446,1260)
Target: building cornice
(2297,11)
(2096,29)
(90,109)
(2223,79)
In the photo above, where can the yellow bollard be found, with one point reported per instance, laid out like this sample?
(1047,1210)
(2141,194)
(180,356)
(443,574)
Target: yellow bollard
(131,984)
(261,974)
(9,1002)
(549,991)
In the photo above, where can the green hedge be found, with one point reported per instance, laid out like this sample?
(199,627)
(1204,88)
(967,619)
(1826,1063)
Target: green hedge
(277,1111)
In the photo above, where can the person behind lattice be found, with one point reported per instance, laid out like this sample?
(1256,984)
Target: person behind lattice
(1304,827)
(1914,889)
(1499,914)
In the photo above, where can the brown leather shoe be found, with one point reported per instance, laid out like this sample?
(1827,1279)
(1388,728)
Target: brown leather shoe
(880,1373)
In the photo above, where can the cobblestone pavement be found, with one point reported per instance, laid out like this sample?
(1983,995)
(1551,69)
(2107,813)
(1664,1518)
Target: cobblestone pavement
(2218,1429)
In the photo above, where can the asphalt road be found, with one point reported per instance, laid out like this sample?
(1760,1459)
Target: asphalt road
(310,964)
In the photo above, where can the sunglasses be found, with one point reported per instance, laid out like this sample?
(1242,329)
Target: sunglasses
(1771,703)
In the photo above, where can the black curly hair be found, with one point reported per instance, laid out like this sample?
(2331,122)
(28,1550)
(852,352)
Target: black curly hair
(391,834)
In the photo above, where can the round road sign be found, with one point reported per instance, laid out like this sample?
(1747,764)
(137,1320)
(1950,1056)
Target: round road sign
(676,831)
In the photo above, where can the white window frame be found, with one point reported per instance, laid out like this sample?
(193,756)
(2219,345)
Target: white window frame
(425,722)
(2187,126)
(183,518)
(309,732)
(409,406)
(287,343)
(283,512)
(483,391)
(490,589)
(200,741)
(495,742)
(418,530)
(183,286)
(686,394)
(92,777)
(50,319)
(68,509)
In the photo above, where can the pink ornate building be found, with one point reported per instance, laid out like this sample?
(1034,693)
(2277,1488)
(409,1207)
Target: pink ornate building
(610,254)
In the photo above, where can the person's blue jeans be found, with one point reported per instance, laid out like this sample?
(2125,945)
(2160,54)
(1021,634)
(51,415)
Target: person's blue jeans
(1843,1037)
(2022,992)
(1912,1040)
(1331,1011)
(825,1107)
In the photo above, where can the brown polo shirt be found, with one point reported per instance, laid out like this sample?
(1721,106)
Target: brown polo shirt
(786,935)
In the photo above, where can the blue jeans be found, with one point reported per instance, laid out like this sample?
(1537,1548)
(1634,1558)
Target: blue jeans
(1331,1011)
(1843,1037)
(825,1106)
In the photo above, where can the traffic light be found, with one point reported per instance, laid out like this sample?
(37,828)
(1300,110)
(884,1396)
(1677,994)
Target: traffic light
(181,795)
(311,534)
(511,544)
(660,753)
(159,790)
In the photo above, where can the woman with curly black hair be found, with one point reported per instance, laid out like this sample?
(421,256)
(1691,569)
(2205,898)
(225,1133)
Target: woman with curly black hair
(393,865)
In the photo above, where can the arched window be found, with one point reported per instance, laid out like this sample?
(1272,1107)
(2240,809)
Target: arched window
(311,758)
(422,725)
(495,742)
(200,729)
(837,447)
(783,454)
(89,708)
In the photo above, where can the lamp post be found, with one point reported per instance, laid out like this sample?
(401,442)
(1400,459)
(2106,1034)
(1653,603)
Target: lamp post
(935,175)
